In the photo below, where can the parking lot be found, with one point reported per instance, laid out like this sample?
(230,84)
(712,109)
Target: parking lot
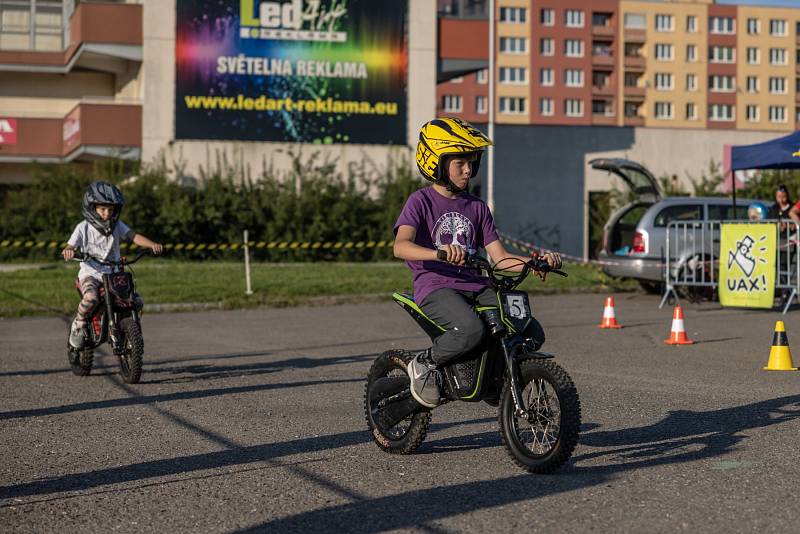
(253,420)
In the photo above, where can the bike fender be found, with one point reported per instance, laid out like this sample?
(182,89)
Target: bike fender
(535,355)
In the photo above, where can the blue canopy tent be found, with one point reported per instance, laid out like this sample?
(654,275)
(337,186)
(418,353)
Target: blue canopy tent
(781,153)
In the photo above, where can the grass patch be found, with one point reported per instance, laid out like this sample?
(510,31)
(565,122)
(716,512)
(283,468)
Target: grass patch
(50,291)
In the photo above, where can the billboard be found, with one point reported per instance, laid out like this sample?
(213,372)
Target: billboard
(747,265)
(309,71)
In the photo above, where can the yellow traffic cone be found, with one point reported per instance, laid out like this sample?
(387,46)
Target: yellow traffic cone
(780,357)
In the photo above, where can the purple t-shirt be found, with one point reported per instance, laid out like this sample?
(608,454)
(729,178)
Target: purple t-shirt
(438,220)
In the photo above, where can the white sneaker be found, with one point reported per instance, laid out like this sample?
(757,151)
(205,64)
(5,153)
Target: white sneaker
(77,336)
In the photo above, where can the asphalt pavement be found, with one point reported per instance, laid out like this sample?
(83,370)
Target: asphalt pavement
(253,421)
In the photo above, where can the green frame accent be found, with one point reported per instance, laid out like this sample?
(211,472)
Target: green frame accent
(479,380)
(413,305)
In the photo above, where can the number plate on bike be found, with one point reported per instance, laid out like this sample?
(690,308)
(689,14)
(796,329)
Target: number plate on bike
(516,305)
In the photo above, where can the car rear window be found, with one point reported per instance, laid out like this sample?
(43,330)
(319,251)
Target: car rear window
(719,212)
(690,212)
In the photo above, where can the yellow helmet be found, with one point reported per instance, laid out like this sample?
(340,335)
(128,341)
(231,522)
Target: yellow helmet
(441,137)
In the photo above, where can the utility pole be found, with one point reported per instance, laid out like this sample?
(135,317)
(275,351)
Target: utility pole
(490,151)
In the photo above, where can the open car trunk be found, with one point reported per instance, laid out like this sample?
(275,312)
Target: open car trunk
(620,229)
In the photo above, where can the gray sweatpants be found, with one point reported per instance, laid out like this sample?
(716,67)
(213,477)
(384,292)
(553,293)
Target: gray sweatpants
(452,309)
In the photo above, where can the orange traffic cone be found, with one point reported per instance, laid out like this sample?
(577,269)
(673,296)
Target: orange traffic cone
(609,317)
(678,334)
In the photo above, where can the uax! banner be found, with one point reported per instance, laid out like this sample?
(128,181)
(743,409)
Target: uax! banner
(310,71)
(747,265)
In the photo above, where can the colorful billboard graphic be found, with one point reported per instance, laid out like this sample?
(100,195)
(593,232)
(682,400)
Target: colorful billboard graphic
(309,71)
(747,265)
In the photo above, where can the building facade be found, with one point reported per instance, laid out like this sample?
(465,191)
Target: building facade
(667,64)
(86,80)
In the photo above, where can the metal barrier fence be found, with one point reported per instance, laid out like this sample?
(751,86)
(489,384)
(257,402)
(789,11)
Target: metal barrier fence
(693,254)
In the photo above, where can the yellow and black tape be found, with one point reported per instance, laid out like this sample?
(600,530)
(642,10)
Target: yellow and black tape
(199,247)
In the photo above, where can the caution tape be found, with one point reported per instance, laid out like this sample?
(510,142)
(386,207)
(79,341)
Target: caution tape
(199,247)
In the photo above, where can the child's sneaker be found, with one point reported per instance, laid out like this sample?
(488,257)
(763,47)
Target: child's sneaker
(424,380)
(77,337)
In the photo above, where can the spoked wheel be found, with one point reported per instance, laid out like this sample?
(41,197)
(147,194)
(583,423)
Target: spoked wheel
(543,439)
(397,422)
(80,361)
(130,361)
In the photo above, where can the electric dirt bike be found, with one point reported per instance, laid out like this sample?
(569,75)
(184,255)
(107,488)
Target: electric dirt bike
(115,319)
(539,410)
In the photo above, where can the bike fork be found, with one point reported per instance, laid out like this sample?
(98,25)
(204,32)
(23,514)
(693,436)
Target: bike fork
(516,394)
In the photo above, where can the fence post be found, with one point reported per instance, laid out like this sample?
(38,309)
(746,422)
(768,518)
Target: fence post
(248,288)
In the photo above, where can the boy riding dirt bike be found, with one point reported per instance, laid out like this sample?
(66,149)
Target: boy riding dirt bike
(485,340)
(98,237)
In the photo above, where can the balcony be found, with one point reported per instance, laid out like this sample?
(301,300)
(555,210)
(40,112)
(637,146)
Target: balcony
(604,90)
(635,92)
(103,37)
(635,62)
(633,121)
(602,60)
(633,35)
(603,31)
(90,131)
(604,120)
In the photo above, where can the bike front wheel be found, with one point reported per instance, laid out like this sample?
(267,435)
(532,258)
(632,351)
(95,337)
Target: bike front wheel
(130,361)
(543,439)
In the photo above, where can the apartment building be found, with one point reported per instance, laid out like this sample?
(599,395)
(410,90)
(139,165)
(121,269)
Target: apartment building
(668,64)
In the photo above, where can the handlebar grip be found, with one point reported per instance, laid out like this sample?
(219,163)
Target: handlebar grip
(441,255)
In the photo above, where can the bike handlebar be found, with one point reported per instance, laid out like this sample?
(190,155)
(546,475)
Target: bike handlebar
(80,257)
(472,260)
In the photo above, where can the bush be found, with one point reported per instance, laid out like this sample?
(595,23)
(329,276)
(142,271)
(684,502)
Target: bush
(312,202)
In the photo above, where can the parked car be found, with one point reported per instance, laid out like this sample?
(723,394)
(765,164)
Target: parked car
(634,238)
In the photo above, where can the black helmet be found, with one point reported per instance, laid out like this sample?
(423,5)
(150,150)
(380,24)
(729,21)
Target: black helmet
(102,193)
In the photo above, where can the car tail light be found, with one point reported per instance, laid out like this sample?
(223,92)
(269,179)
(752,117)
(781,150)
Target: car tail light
(639,243)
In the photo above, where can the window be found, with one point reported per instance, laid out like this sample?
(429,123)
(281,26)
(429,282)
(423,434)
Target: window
(632,109)
(573,48)
(546,77)
(720,112)
(573,18)
(719,212)
(573,78)
(722,54)
(514,15)
(547,17)
(513,45)
(631,79)
(31,26)
(547,47)
(691,111)
(481,104)
(513,75)
(602,107)
(573,107)
(777,114)
(752,84)
(678,213)
(664,23)
(721,84)
(600,78)
(602,48)
(633,50)
(777,56)
(635,21)
(664,81)
(777,85)
(691,23)
(512,105)
(451,103)
(778,27)
(723,25)
(752,113)
(601,20)
(546,106)
(664,52)
(753,27)
(691,53)
(752,55)
(457,79)
(691,82)
(482,76)
(664,110)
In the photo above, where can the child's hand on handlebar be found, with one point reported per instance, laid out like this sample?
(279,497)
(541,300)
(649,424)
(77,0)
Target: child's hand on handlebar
(68,253)
(553,260)
(455,254)
(157,248)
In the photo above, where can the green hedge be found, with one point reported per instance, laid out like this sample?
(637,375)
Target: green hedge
(310,202)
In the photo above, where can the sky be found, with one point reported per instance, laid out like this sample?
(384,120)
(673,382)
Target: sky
(780,3)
